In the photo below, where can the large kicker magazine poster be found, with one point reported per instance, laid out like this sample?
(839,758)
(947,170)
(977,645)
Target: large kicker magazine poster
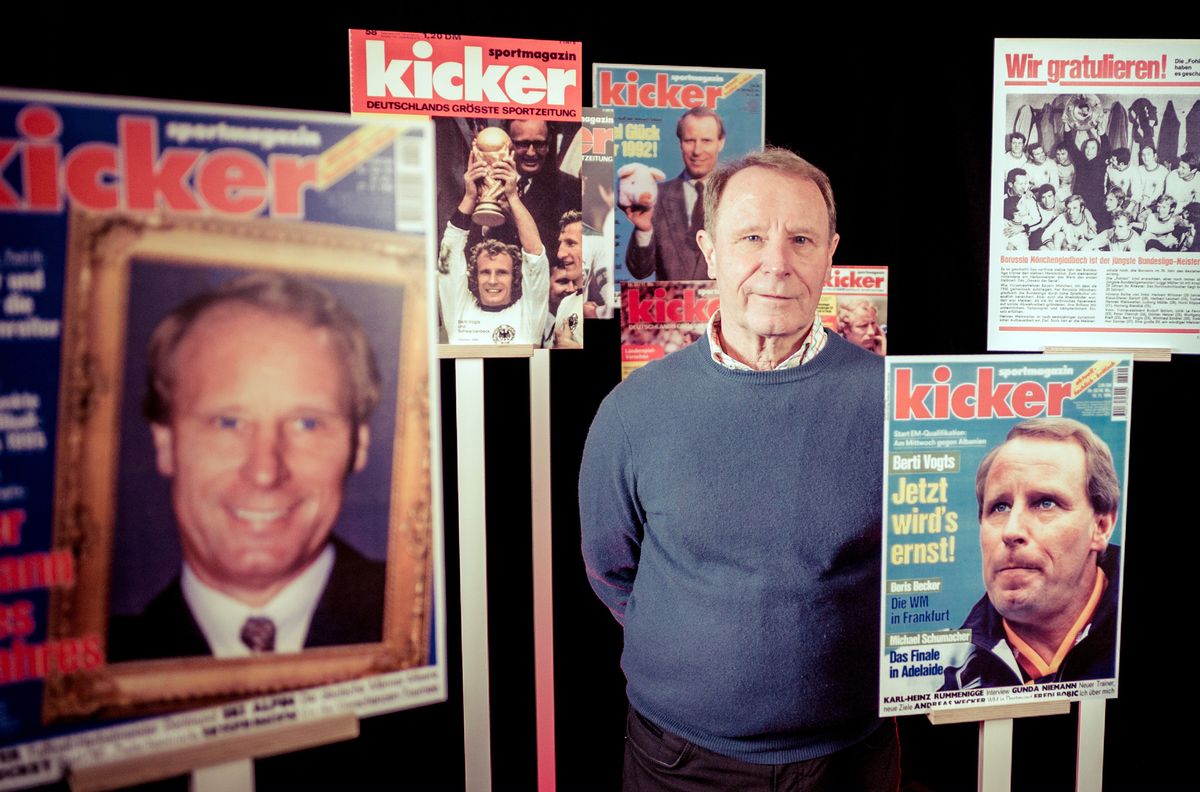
(1004,529)
(1095,195)
(672,125)
(218,439)
(506,112)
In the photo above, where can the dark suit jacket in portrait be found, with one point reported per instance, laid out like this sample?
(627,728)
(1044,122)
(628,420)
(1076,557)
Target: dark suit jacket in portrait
(672,253)
(350,611)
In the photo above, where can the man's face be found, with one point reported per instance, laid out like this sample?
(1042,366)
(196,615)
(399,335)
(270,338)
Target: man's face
(531,142)
(1075,211)
(1121,227)
(1016,145)
(258,448)
(1063,156)
(1149,157)
(863,329)
(1038,532)
(700,145)
(770,253)
(1184,170)
(1037,154)
(568,277)
(495,279)
(1163,209)
(1110,202)
(1091,148)
(1020,184)
(1047,199)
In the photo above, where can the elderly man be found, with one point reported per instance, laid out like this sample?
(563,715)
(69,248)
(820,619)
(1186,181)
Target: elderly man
(736,556)
(858,323)
(258,398)
(1048,501)
(499,295)
(664,240)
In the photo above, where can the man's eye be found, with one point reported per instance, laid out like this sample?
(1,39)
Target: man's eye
(800,239)
(752,238)
(1000,508)
(308,424)
(227,422)
(1046,503)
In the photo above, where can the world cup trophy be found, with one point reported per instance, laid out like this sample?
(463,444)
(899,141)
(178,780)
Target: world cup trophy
(490,146)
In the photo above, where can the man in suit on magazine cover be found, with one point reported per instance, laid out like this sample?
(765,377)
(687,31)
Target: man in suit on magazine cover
(258,398)
(664,237)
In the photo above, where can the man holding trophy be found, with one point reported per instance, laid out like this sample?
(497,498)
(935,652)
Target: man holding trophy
(496,293)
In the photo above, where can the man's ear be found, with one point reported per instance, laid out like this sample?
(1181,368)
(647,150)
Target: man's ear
(360,448)
(705,241)
(164,448)
(1102,531)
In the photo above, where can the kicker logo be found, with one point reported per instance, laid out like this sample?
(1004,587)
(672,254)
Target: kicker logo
(984,398)
(469,80)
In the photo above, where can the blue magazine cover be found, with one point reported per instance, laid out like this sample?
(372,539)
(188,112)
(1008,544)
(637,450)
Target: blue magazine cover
(672,126)
(1004,529)
(216,438)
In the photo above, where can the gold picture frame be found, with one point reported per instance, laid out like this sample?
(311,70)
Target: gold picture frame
(100,256)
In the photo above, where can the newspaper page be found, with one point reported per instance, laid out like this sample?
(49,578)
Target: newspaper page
(658,318)
(854,305)
(217,429)
(1095,195)
(505,111)
(1004,526)
(672,126)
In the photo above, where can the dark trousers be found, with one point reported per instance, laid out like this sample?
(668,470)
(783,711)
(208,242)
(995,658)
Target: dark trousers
(656,759)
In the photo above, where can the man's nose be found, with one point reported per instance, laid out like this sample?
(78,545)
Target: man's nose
(265,465)
(1015,531)
(774,256)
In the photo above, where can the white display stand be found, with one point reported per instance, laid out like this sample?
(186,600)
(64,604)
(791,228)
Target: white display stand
(543,565)
(472,534)
(472,561)
(995,740)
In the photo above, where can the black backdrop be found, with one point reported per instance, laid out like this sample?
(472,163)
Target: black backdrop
(901,123)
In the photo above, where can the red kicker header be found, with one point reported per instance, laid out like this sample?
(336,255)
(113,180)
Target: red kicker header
(445,75)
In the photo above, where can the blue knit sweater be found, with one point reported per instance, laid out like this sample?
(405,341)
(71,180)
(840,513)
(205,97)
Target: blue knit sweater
(731,523)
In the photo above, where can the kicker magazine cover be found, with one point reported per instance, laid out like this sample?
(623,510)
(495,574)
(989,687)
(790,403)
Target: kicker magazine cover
(509,224)
(217,423)
(672,126)
(1004,530)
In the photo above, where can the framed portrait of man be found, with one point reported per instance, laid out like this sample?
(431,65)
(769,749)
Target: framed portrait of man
(243,474)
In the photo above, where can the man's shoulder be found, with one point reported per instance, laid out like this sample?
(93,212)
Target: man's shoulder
(350,610)
(851,358)
(350,558)
(566,180)
(164,629)
(657,388)
(673,186)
